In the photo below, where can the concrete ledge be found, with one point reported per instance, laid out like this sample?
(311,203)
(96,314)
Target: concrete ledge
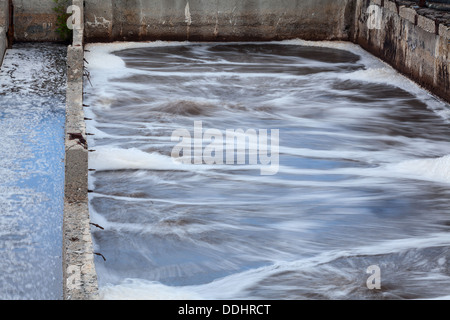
(378,2)
(444,31)
(80,277)
(408,14)
(3,44)
(4,23)
(426,24)
(391,6)
(78,32)
(76,149)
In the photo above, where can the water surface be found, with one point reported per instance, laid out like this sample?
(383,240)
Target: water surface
(363,177)
(32,116)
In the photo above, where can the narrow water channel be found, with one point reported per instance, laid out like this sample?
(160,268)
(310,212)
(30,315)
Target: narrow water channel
(32,116)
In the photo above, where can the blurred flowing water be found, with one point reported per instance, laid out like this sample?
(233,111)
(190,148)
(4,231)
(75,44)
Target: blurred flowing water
(364,175)
(32,116)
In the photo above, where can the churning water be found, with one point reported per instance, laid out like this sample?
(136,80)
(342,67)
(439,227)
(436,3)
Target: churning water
(363,177)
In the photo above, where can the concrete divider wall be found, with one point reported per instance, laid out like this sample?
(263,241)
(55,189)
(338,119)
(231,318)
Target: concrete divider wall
(80,278)
(4,23)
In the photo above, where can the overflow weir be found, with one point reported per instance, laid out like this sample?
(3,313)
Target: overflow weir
(412,39)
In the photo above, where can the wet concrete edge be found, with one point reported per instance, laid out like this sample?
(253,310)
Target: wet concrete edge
(4,22)
(79,274)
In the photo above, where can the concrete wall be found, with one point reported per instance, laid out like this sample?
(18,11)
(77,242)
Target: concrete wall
(35,20)
(211,20)
(414,41)
(216,20)
(4,23)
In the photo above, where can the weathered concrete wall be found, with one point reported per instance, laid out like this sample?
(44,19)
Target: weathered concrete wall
(35,20)
(4,23)
(216,20)
(80,278)
(414,41)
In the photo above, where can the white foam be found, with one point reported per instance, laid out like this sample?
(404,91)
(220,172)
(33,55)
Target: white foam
(138,289)
(105,61)
(112,158)
(101,58)
(235,286)
(377,71)
(434,169)
(439,298)
(106,158)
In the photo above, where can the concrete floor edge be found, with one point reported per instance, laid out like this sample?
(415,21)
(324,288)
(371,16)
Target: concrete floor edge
(80,277)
